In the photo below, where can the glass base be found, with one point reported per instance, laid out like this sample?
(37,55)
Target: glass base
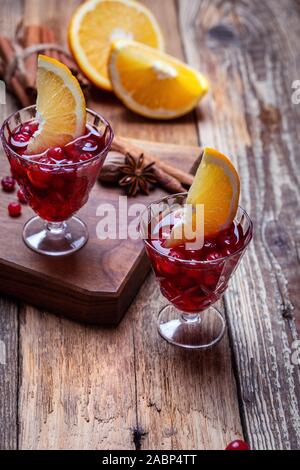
(55,239)
(191,330)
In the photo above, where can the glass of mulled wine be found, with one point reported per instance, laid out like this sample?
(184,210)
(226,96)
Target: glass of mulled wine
(57,182)
(192,279)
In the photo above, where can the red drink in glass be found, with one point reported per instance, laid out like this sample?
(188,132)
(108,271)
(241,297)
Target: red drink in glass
(57,182)
(191,279)
(53,183)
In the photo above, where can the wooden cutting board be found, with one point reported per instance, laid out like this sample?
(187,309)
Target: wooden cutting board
(96,284)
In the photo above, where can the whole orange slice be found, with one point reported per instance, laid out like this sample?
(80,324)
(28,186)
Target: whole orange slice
(97,23)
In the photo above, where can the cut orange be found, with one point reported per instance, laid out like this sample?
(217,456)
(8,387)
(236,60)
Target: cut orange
(153,83)
(216,186)
(97,23)
(61,108)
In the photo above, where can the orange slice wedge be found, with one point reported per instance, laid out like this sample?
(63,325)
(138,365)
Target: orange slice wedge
(152,83)
(217,186)
(61,108)
(97,23)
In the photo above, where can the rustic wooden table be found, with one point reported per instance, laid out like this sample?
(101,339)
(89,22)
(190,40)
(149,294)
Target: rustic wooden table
(70,386)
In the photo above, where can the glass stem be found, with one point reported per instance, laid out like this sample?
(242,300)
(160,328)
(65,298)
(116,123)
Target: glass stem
(56,228)
(190,318)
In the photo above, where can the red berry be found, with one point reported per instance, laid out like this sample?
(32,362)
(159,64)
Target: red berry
(84,157)
(228,251)
(210,280)
(238,444)
(20,139)
(30,128)
(227,241)
(8,184)
(212,256)
(14,209)
(194,255)
(56,154)
(168,268)
(41,178)
(73,153)
(21,196)
(210,244)
(178,254)
(45,160)
(90,145)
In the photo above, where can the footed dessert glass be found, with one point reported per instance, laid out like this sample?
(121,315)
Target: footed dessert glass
(56,188)
(192,280)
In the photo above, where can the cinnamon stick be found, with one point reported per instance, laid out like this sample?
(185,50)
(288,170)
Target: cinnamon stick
(18,90)
(23,82)
(15,85)
(6,50)
(121,145)
(168,182)
(31,36)
(47,36)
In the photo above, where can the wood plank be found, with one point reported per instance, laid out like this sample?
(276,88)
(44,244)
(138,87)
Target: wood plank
(77,390)
(8,309)
(79,384)
(185,400)
(247,51)
(8,374)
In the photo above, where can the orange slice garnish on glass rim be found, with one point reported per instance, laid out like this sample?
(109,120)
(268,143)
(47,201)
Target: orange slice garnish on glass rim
(61,107)
(217,186)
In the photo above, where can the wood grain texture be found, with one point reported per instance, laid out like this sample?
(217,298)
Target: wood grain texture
(8,375)
(78,389)
(88,388)
(184,400)
(8,309)
(248,50)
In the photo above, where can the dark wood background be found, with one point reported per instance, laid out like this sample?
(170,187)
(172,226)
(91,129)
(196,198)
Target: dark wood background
(65,385)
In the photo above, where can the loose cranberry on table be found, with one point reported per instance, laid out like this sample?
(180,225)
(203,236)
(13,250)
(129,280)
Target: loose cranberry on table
(238,444)
(21,196)
(14,209)
(8,184)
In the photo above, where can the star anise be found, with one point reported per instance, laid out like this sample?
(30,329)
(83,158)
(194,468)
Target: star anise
(138,177)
